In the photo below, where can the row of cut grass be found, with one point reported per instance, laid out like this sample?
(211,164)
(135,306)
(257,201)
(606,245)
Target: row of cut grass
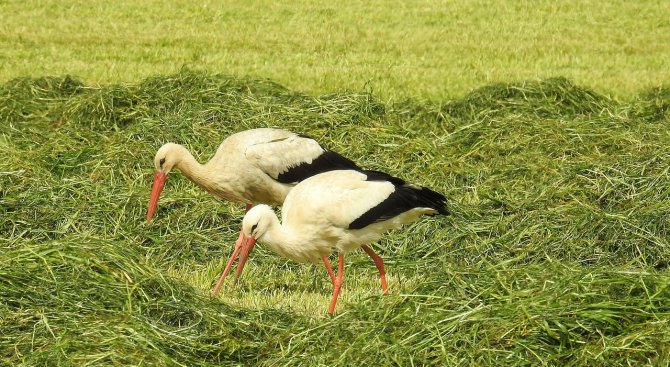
(556,251)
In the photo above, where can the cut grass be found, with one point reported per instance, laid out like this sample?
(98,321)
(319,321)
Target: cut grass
(556,252)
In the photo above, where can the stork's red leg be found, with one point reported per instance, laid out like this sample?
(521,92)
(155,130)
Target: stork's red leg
(380,266)
(330,270)
(338,283)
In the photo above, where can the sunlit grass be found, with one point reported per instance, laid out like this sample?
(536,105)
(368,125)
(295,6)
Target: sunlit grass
(302,288)
(425,49)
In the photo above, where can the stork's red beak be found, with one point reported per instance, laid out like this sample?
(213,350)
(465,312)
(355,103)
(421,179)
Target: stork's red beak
(243,247)
(156,188)
(244,255)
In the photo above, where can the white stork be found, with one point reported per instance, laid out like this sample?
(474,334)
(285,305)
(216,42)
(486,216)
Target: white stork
(252,166)
(340,210)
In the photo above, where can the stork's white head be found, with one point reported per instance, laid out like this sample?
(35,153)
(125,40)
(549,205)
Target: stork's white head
(168,156)
(257,221)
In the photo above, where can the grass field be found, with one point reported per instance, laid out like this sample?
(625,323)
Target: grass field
(556,252)
(433,49)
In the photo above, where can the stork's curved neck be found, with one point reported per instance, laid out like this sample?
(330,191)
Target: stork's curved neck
(192,169)
(280,238)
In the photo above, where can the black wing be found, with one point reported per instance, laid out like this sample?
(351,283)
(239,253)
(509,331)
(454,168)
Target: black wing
(404,198)
(327,161)
(290,158)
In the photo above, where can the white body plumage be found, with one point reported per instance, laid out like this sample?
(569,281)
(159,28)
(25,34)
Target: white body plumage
(318,212)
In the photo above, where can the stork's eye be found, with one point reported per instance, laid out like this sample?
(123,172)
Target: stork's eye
(161,162)
(253,228)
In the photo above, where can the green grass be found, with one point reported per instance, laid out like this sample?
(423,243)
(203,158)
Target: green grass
(556,252)
(428,49)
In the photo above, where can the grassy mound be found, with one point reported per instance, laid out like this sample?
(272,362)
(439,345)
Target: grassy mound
(556,251)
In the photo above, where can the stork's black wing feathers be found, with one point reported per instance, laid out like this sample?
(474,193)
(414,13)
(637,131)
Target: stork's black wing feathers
(327,161)
(404,198)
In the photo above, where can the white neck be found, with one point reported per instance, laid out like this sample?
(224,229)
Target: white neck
(281,239)
(192,169)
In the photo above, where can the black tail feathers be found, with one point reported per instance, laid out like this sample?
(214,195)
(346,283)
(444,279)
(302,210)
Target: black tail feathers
(413,196)
(431,199)
(405,197)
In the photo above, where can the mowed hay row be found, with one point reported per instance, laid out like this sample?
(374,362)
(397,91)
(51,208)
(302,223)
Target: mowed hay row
(556,250)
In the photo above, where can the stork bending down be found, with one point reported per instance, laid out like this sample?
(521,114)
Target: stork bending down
(340,210)
(252,166)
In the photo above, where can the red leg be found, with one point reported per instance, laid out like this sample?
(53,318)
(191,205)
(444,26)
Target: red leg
(338,283)
(241,240)
(380,266)
(330,270)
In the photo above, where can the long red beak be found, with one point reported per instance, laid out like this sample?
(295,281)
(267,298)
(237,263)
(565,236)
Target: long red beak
(244,255)
(156,188)
(243,248)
